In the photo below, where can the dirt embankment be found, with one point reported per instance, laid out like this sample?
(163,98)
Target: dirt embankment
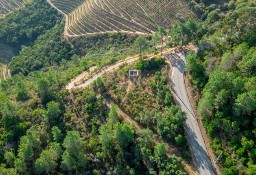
(4,72)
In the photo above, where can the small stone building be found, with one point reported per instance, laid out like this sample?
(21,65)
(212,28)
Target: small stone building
(134,73)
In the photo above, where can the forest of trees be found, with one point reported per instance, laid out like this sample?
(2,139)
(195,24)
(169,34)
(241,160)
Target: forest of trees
(44,129)
(223,72)
(23,26)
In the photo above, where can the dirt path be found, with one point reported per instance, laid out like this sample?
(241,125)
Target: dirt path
(86,78)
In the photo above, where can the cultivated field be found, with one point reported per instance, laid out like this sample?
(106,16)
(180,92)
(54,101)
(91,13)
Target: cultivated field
(88,17)
(7,6)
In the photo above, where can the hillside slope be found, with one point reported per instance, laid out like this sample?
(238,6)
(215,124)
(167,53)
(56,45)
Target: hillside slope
(87,17)
(7,6)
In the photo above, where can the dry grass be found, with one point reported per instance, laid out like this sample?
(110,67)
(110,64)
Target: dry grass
(4,72)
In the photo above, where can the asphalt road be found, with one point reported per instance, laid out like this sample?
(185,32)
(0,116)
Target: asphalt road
(192,130)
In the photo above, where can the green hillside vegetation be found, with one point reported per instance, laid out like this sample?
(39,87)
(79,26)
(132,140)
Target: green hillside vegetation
(27,23)
(149,91)
(52,50)
(21,28)
(6,53)
(45,129)
(223,73)
(40,121)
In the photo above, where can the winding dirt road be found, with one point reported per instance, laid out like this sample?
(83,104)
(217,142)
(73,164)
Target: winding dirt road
(107,69)
(192,130)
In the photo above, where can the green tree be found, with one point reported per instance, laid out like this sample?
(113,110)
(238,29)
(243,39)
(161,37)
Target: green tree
(245,104)
(195,68)
(68,162)
(206,105)
(144,143)
(113,116)
(169,124)
(106,137)
(251,169)
(90,101)
(10,118)
(100,86)
(248,64)
(22,92)
(124,134)
(73,158)
(57,135)
(183,33)
(7,171)
(141,43)
(53,112)
(160,150)
(168,99)
(161,32)
(9,157)
(44,91)
(212,17)
(29,149)
(73,143)
(48,160)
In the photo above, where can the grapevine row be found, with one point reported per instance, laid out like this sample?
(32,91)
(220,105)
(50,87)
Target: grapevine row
(87,17)
(7,6)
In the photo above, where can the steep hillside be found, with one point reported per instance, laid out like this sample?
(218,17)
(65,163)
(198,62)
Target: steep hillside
(7,6)
(224,79)
(20,29)
(6,53)
(86,17)
(23,26)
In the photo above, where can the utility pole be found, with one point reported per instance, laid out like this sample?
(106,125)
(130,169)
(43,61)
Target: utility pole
(218,158)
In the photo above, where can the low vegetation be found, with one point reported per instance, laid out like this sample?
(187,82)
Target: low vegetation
(40,121)
(47,130)
(150,90)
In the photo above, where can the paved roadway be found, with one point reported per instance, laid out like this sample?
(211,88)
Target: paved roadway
(192,130)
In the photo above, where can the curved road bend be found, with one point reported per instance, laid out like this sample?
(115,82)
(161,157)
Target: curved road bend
(192,130)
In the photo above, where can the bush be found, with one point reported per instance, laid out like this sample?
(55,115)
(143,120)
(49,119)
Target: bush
(149,65)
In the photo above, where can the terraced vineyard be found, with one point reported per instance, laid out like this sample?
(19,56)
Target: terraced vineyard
(7,6)
(88,17)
